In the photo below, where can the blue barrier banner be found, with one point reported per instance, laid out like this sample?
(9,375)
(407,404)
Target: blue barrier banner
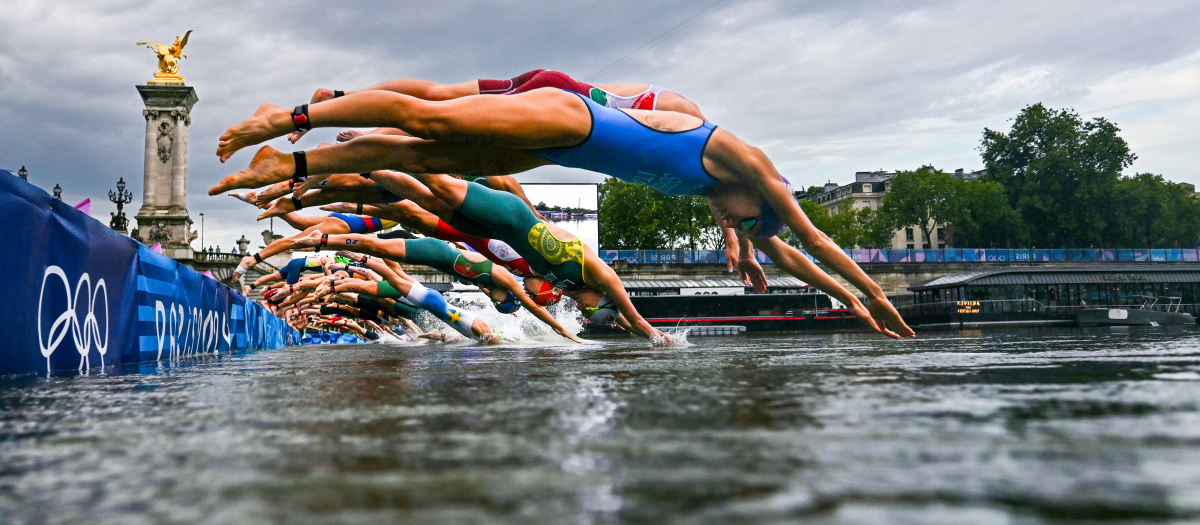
(865,256)
(322,338)
(81,295)
(68,286)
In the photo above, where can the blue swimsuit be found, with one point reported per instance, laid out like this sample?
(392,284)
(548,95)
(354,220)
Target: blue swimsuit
(621,146)
(292,270)
(360,223)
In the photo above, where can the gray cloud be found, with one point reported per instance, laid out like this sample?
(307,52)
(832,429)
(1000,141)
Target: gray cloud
(825,87)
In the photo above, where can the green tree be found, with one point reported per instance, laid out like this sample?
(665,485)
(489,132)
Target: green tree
(921,197)
(1059,172)
(629,216)
(877,229)
(980,217)
(848,227)
(1155,213)
(638,217)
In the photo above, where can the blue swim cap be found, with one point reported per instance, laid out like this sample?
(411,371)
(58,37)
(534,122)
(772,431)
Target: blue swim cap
(509,305)
(770,223)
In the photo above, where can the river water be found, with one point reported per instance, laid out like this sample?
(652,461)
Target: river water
(1021,426)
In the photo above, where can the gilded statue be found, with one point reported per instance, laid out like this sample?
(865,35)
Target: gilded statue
(168,58)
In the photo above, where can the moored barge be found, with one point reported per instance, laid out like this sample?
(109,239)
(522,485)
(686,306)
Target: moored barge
(727,306)
(1057,295)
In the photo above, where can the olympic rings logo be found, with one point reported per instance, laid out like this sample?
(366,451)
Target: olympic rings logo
(83,332)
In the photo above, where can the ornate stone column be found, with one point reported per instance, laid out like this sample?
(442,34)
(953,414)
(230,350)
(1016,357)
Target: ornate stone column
(149,181)
(179,162)
(163,217)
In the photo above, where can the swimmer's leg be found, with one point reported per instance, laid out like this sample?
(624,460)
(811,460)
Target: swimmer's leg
(544,118)
(380,152)
(462,321)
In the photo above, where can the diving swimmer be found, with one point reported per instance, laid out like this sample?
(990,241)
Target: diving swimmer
(487,135)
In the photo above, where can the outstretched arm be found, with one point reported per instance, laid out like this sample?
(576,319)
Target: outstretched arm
(301,222)
(795,263)
(731,240)
(369,244)
(749,270)
(508,282)
(752,166)
(602,277)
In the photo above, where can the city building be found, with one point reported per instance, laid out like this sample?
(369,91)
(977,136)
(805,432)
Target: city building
(867,191)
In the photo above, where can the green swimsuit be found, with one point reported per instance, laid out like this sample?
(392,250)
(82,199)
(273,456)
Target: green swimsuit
(440,256)
(501,215)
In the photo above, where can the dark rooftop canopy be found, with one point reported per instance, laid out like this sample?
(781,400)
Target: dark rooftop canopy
(1097,274)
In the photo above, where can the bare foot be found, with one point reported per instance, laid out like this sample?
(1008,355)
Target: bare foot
(268,122)
(349,135)
(278,208)
(268,166)
(312,239)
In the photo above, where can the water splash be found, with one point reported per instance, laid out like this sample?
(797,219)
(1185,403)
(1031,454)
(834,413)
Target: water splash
(675,337)
(512,329)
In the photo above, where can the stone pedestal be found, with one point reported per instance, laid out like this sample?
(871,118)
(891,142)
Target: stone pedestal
(163,217)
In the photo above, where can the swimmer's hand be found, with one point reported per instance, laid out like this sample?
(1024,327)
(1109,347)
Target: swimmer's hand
(248,197)
(751,272)
(340,207)
(888,319)
(310,184)
(435,335)
(309,241)
(731,257)
(278,208)
(657,338)
(569,335)
(349,135)
(864,316)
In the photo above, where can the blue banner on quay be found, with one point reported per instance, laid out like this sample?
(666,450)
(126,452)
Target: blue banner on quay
(80,295)
(934,256)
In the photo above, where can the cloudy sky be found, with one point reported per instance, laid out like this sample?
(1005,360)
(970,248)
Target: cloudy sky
(826,88)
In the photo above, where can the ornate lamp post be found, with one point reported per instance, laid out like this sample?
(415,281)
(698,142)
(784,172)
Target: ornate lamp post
(120,198)
(243,244)
(201,232)
(23,173)
(58,192)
